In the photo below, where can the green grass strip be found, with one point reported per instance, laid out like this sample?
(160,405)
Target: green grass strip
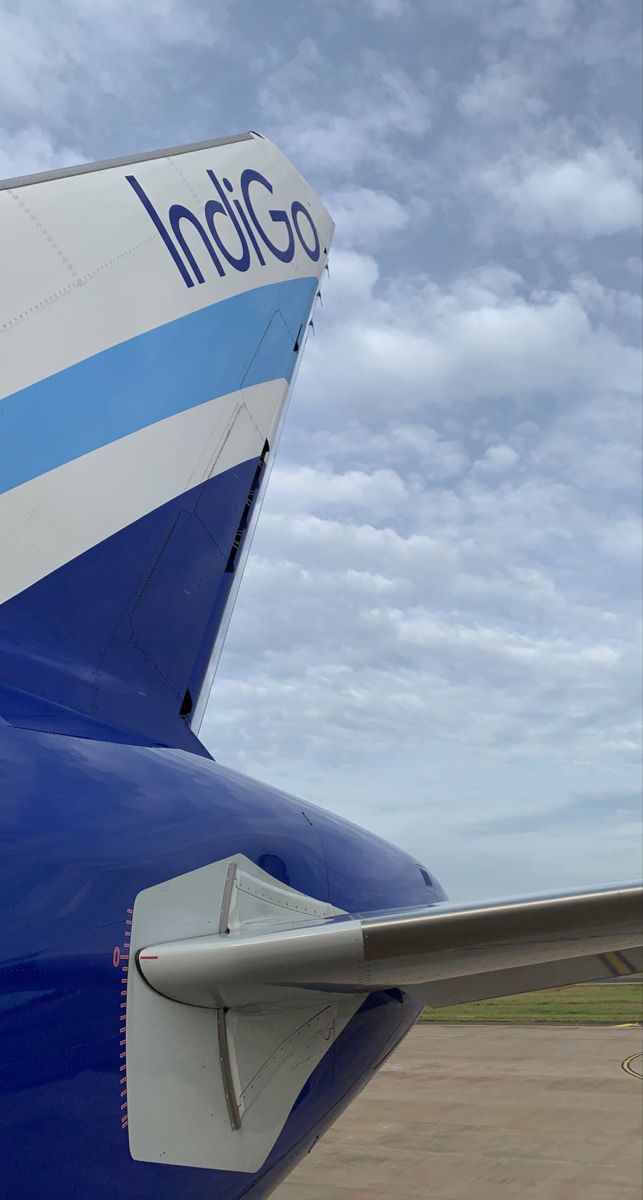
(582,1004)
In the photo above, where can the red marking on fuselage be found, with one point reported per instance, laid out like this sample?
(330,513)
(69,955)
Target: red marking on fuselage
(148,957)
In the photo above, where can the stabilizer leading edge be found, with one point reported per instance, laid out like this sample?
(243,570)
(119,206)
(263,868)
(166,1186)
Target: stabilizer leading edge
(409,949)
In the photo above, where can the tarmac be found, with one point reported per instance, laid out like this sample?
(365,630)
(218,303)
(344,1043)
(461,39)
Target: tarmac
(489,1112)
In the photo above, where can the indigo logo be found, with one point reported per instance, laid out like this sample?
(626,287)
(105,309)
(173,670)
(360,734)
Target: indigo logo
(230,229)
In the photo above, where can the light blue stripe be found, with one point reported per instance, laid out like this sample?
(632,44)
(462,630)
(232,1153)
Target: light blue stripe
(154,375)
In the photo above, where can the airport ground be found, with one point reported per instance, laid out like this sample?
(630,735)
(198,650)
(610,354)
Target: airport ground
(489,1112)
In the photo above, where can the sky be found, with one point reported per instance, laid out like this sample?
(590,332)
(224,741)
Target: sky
(438,632)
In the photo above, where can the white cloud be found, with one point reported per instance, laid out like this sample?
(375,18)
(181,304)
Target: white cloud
(503,92)
(623,538)
(610,304)
(341,139)
(376,492)
(363,217)
(539,19)
(485,336)
(32,150)
(583,194)
(387,8)
(64,60)
(498,458)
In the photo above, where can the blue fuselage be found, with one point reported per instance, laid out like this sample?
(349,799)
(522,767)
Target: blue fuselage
(86,825)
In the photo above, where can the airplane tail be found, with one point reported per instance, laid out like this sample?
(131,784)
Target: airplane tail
(152,316)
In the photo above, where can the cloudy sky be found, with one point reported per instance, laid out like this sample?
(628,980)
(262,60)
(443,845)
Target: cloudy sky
(438,634)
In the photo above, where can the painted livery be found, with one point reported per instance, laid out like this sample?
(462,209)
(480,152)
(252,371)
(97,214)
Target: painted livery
(197,971)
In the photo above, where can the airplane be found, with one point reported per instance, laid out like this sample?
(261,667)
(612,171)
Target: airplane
(198,971)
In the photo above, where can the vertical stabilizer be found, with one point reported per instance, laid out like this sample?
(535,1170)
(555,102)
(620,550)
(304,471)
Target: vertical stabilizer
(152,315)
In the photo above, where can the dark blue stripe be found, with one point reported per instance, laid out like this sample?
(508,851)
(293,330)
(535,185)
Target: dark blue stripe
(118,633)
(169,369)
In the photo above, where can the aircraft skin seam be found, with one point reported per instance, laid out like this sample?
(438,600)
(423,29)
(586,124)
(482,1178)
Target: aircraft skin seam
(250,416)
(184,180)
(211,469)
(22,204)
(79,281)
(103,655)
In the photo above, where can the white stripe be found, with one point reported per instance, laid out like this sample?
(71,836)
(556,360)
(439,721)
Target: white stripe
(53,518)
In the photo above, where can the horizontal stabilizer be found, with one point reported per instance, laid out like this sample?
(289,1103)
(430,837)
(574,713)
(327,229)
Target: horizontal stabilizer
(411,950)
(243,985)
(511,981)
